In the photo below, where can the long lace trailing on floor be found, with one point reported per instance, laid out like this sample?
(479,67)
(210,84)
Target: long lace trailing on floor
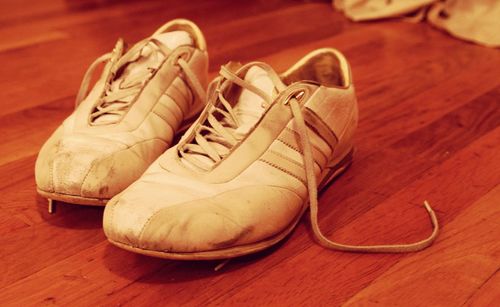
(313,203)
(219,132)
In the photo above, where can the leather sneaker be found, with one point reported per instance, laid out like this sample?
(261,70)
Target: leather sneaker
(242,176)
(144,97)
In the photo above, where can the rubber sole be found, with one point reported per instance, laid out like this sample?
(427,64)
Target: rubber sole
(73,199)
(232,252)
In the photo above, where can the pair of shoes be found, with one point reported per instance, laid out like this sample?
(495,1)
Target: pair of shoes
(241,176)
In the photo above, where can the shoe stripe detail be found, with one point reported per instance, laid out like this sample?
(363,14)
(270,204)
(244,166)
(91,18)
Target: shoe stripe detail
(274,152)
(167,116)
(173,107)
(181,95)
(292,154)
(163,117)
(287,164)
(169,105)
(320,128)
(285,169)
(289,139)
(321,150)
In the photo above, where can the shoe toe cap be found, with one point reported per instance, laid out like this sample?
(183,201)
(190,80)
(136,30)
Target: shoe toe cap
(90,168)
(229,219)
(74,170)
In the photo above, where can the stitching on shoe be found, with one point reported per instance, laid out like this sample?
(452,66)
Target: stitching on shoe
(286,158)
(290,146)
(88,172)
(319,135)
(137,97)
(283,170)
(112,214)
(139,124)
(295,221)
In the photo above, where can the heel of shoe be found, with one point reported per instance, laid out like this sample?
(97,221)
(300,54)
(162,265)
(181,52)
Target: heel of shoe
(336,169)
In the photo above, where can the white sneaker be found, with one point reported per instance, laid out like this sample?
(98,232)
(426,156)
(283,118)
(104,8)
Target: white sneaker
(144,97)
(242,176)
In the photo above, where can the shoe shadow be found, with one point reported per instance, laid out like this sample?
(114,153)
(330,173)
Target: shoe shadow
(139,268)
(163,271)
(70,215)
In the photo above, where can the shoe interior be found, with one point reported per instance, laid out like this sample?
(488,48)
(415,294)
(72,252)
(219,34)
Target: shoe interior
(247,106)
(186,26)
(325,66)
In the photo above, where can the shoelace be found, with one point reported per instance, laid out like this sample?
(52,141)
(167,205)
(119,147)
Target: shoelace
(313,202)
(215,138)
(223,135)
(112,100)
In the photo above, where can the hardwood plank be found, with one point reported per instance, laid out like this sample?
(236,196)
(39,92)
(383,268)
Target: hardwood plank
(10,223)
(23,128)
(100,270)
(29,38)
(482,108)
(255,269)
(487,293)
(30,249)
(62,77)
(478,108)
(466,256)
(408,110)
(321,276)
(429,128)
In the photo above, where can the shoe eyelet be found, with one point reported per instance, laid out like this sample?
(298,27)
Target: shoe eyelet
(297,95)
(185,56)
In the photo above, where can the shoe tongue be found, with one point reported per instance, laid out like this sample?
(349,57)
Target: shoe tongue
(175,39)
(151,56)
(250,106)
(147,57)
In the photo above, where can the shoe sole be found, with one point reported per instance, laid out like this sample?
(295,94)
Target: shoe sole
(242,250)
(73,199)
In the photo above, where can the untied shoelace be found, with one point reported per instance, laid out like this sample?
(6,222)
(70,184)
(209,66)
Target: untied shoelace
(217,133)
(313,202)
(215,138)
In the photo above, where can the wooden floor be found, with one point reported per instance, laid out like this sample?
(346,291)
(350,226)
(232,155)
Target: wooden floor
(429,129)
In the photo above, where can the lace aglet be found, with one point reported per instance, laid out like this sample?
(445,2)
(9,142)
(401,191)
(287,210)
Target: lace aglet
(428,206)
(221,265)
(52,206)
(433,217)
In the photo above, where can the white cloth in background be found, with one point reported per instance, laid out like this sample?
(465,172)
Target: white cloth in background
(477,21)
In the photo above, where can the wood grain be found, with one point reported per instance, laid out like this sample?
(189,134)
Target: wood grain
(469,258)
(429,129)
